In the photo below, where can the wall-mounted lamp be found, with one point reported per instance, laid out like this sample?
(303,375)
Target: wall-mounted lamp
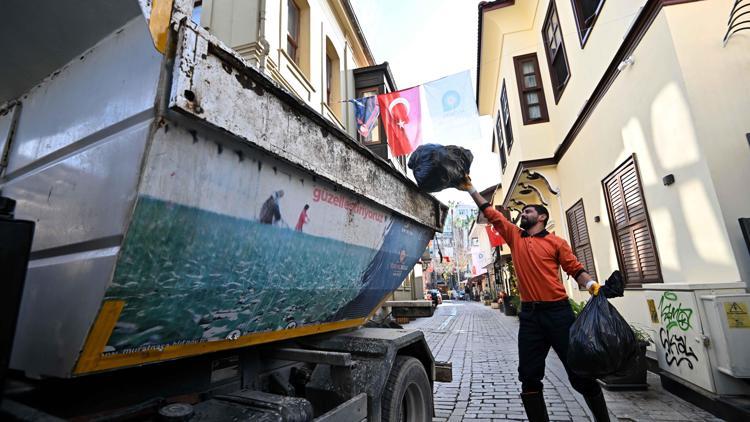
(668,179)
(625,63)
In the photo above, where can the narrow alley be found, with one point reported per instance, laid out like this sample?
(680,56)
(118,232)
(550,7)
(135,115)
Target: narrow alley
(481,344)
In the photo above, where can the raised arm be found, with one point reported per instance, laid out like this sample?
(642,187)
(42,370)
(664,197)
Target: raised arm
(495,217)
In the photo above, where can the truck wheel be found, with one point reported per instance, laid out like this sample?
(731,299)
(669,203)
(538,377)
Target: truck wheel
(408,395)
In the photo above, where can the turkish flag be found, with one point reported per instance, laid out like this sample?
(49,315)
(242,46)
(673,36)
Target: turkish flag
(402,117)
(495,238)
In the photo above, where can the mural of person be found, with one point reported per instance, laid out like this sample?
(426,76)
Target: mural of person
(270,213)
(399,266)
(400,250)
(303,218)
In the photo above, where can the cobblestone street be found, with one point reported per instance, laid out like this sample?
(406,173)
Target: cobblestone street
(481,344)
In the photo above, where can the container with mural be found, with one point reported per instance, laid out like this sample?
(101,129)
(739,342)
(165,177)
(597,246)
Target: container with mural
(187,204)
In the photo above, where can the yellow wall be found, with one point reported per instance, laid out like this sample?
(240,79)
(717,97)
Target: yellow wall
(681,108)
(495,24)
(717,82)
(647,111)
(587,64)
(504,40)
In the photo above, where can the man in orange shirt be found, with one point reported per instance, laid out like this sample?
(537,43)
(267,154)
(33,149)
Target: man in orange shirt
(546,315)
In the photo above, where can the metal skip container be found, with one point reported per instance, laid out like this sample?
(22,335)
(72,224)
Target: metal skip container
(186,204)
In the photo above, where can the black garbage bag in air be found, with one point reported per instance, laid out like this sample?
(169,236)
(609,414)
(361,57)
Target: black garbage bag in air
(438,167)
(601,341)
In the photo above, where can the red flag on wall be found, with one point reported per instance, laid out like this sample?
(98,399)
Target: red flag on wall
(495,238)
(402,117)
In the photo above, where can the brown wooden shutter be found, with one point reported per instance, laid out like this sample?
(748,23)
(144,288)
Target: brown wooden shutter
(579,236)
(631,228)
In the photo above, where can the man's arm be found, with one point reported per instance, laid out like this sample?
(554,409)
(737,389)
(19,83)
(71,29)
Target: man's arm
(495,217)
(574,268)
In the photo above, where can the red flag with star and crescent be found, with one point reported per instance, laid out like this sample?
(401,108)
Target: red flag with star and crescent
(402,115)
(495,238)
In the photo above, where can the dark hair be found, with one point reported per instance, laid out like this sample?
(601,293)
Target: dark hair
(540,209)
(307,206)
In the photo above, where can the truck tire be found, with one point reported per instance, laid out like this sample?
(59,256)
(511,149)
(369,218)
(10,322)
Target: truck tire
(407,396)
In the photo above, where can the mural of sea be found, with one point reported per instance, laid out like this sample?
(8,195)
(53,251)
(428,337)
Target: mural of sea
(188,275)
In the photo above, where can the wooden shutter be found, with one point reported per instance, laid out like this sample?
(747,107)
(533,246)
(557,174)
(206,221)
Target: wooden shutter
(579,236)
(631,228)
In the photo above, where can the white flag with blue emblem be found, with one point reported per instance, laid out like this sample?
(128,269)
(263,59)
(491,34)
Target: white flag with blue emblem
(453,110)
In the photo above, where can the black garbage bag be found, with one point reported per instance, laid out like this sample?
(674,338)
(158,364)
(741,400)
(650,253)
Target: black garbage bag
(614,286)
(601,341)
(438,167)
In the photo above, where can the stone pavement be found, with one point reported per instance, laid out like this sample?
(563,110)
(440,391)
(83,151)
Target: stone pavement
(481,344)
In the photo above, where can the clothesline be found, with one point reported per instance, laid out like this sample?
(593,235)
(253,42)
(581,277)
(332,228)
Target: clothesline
(450,105)
(415,86)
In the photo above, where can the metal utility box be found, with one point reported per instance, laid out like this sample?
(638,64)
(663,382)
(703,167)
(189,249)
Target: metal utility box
(729,322)
(686,338)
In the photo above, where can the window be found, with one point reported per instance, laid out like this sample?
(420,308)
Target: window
(332,79)
(329,78)
(505,112)
(498,136)
(499,129)
(374,135)
(579,237)
(530,91)
(631,228)
(197,10)
(503,158)
(501,148)
(555,47)
(586,12)
(293,30)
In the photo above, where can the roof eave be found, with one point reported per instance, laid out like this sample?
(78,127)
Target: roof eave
(485,7)
(358,30)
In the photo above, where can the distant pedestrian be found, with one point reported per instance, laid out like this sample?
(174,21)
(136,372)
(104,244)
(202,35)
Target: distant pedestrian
(303,218)
(270,212)
(546,315)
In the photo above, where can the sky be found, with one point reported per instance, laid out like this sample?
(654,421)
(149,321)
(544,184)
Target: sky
(424,40)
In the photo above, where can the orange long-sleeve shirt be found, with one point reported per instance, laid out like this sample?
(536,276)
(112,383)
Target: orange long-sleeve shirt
(536,259)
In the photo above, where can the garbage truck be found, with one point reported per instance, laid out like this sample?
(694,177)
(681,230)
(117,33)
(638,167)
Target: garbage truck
(168,277)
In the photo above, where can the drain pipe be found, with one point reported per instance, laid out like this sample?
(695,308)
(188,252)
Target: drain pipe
(262,36)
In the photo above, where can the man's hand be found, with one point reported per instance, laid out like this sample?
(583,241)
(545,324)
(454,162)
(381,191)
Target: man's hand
(593,287)
(465,185)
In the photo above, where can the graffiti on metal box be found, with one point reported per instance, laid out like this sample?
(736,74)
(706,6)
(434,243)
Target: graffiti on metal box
(676,350)
(672,313)
(675,316)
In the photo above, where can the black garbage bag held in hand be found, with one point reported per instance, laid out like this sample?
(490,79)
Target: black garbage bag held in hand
(438,167)
(601,341)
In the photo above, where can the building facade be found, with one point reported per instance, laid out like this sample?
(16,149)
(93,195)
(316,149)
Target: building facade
(451,249)
(628,120)
(314,48)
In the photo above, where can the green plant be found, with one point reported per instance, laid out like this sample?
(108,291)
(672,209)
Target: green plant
(516,302)
(577,306)
(641,335)
(512,280)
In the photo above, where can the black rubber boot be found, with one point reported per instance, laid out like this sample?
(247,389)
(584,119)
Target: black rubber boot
(598,407)
(536,410)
